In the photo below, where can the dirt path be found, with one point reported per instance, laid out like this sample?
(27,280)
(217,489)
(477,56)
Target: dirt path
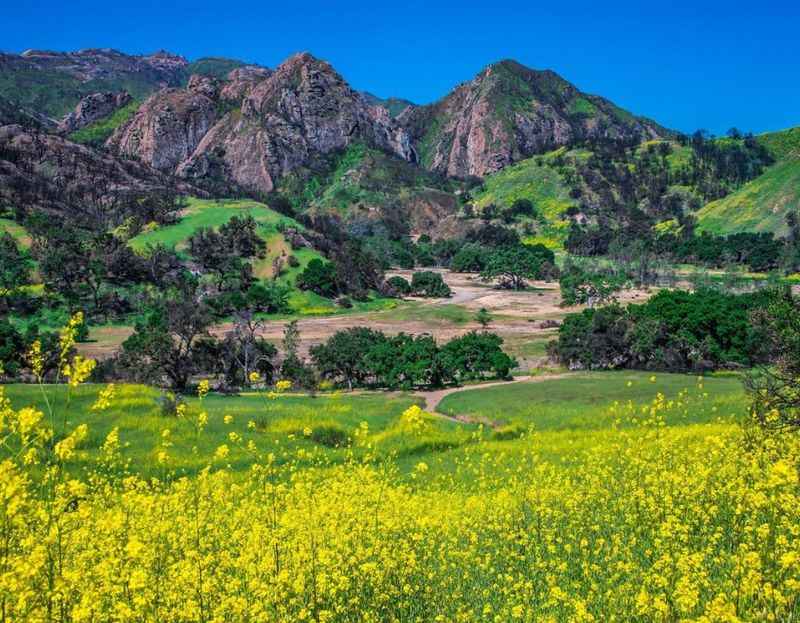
(433,398)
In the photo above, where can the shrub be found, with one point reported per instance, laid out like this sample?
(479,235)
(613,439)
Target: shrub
(399,284)
(429,284)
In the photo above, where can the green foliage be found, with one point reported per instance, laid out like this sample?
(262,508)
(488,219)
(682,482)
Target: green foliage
(580,286)
(674,330)
(360,356)
(399,284)
(430,284)
(471,258)
(98,132)
(15,265)
(319,277)
(514,265)
(775,388)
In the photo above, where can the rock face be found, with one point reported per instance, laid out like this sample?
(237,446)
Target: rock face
(242,80)
(507,113)
(49,172)
(93,108)
(169,125)
(303,110)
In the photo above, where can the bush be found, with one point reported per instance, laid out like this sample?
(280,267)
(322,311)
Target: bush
(430,284)
(399,285)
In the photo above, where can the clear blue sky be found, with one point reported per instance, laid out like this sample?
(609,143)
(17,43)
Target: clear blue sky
(688,65)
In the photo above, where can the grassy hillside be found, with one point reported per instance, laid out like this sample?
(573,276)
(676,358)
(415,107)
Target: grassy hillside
(762,203)
(216,67)
(759,205)
(98,132)
(213,213)
(536,180)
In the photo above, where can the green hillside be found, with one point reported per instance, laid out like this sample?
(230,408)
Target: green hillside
(533,179)
(762,203)
(213,213)
(216,67)
(98,132)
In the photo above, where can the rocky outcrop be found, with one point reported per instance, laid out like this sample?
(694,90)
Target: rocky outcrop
(302,111)
(507,113)
(93,108)
(241,81)
(165,131)
(49,172)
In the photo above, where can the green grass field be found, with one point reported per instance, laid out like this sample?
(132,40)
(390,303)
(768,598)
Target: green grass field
(584,400)
(578,402)
(137,413)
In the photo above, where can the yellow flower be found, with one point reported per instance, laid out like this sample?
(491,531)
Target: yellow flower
(254,377)
(222,452)
(228,419)
(283,385)
(104,398)
(202,389)
(36,359)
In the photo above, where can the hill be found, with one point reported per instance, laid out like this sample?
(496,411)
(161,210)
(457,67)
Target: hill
(510,112)
(763,203)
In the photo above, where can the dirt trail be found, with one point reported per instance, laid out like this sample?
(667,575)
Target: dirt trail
(434,397)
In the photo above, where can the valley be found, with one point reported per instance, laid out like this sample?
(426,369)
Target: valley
(273,348)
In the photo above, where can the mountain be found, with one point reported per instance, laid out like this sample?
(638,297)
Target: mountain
(393,105)
(763,203)
(291,119)
(509,112)
(52,83)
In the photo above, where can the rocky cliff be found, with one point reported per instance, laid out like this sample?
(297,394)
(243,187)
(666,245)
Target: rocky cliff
(300,112)
(93,108)
(509,112)
(169,125)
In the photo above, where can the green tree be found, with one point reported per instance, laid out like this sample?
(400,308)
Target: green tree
(319,277)
(585,287)
(342,357)
(483,318)
(513,266)
(430,284)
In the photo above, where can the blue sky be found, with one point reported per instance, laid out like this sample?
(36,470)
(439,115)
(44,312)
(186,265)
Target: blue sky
(688,65)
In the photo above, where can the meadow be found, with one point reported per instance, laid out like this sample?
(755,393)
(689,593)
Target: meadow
(590,497)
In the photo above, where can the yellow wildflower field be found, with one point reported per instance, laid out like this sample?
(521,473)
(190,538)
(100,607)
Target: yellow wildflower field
(638,521)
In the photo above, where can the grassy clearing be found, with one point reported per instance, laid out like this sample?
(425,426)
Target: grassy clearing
(584,400)
(137,413)
(212,213)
